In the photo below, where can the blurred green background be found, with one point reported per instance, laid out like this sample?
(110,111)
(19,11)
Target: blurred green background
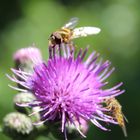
(23,22)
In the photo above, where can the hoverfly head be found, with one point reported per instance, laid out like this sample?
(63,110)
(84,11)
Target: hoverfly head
(56,38)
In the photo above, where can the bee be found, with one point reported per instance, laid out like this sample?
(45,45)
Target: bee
(115,111)
(68,32)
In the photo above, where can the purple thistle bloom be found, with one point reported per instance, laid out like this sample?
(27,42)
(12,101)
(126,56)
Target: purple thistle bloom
(67,88)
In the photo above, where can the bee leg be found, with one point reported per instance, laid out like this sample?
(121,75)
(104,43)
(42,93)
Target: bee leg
(125,118)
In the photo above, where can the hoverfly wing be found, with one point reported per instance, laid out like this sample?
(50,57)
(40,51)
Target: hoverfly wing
(85,31)
(124,127)
(124,130)
(71,23)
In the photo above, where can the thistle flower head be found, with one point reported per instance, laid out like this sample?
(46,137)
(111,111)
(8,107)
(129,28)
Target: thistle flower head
(67,88)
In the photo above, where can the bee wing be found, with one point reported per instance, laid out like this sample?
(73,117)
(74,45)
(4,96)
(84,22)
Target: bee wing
(124,130)
(85,31)
(71,23)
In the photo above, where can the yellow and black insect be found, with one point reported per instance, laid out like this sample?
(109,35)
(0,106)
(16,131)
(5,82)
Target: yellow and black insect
(68,32)
(115,111)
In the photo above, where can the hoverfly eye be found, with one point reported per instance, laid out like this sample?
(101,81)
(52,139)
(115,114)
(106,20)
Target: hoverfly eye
(52,37)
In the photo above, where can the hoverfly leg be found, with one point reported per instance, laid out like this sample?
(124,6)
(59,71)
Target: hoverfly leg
(59,50)
(125,118)
(50,52)
(53,49)
(71,46)
(63,47)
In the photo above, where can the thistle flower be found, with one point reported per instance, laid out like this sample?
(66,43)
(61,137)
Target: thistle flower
(67,88)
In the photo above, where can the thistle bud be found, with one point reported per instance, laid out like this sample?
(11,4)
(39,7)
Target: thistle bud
(26,58)
(17,125)
(23,98)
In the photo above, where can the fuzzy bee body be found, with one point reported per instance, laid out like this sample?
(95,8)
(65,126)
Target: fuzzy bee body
(61,36)
(115,111)
(67,33)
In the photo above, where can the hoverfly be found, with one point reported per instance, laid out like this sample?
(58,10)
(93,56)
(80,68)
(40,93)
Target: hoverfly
(115,111)
(68,32)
